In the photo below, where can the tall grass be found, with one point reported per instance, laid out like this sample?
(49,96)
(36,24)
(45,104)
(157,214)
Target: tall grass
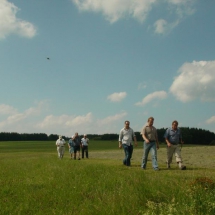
(34,181)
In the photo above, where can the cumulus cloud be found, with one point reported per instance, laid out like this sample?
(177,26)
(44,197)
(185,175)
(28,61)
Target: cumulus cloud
(111,119)
(195,81)
(211,120)
(68,124)
(160,26)
(10,24)
(110,124)
(158,95)
(65,121)
(117,97)
(179,10)
(7,109)
(114,10)
(17,119)
(163,27)
(35,120)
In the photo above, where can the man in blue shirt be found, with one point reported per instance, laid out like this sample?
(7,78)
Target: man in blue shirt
(173,137)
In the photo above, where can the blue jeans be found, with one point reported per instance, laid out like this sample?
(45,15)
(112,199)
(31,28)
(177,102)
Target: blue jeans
(147,147)
(128,154)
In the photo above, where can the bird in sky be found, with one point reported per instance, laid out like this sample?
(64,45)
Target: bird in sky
(48,58)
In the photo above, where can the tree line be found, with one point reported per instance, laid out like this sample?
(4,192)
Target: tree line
(190,136)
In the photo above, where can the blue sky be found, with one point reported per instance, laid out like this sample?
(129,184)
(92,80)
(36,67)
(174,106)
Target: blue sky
(109,61)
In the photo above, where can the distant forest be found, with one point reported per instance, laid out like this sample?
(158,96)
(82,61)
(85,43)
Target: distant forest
(190,136)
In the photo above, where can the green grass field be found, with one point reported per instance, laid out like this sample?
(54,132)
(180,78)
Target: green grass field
(34,181)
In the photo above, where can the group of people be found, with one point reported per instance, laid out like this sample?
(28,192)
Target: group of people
(172,136)
(75,144)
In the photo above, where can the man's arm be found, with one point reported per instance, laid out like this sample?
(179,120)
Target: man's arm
(144,136)
(120,139)
(57,143)
(166,138)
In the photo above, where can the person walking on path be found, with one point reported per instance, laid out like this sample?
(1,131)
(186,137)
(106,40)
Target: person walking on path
(84,148)
(150,137)
(71,147)
(60,143)
(77,145)
(173,138)
(126,137)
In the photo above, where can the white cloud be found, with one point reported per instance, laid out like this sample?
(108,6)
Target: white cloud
(182,7)
(10,24)
(35,120)
(158,95)
(16,120)
(111,119)
(117,97)
(110,124)
(211,120)
(65,121)
(180,2)
(7,110)
(163,27)
(160,26)
(114,10)
(68,125)
(179,10)
(195,81)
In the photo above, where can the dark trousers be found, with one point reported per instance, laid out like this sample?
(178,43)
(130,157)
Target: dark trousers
(128,154)
(84,149)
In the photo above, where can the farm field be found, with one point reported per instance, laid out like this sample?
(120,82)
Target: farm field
(34,181)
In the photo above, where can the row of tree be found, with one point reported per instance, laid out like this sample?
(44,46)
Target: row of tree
(13,136)
(190,136)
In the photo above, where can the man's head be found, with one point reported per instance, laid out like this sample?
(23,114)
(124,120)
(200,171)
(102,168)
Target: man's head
(60,137)
(150,121)
(85,136)
(174,125)
(76,134)
(127,123)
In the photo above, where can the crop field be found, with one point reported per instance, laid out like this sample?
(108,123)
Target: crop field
(34,181)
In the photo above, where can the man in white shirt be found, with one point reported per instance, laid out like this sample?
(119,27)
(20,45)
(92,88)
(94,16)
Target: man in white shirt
(60,143)
(126,137)
(84,142)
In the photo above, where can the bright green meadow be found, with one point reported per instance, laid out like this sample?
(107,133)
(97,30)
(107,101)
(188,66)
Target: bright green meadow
(34,181)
